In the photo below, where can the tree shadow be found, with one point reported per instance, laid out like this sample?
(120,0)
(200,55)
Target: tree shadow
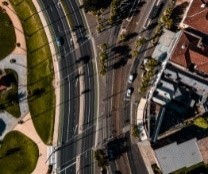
(12,151)
(122,62)
(177,14)
(131,36)
(152,26)
(121,49)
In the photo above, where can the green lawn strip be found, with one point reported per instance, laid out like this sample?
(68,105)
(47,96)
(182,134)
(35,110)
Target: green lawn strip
(40,71)
(7,35)
(18,154)
(9,98)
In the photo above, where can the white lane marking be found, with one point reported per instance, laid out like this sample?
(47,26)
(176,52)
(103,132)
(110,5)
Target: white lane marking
(88,119)
(76,18)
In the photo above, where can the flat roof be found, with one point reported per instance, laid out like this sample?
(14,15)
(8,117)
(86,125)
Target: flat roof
(164,45)
(176,156)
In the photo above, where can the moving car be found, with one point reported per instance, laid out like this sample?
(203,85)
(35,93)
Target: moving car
(59,41)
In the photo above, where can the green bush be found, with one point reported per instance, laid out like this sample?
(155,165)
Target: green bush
(201,122)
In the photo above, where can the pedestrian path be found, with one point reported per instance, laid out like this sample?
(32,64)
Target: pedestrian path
(28,129)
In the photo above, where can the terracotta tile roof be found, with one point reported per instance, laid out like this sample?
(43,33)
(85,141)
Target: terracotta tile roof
(197,16)
(187,52)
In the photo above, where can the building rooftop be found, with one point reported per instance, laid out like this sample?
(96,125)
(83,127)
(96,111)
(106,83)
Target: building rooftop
(191,80)
(191,53)
(164,45)
(197,15)
(176,156)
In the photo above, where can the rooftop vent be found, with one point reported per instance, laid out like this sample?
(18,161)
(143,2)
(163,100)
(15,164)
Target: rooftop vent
(183,46)
(203,5)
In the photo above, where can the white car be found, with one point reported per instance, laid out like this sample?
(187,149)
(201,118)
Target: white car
(128,92)
(130,79)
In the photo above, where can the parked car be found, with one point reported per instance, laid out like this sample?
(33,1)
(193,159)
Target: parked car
(129,92)
(131,78)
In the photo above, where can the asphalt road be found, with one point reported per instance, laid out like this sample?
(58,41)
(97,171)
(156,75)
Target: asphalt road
(69,90)
(119,108)
(88,127)
(70,140)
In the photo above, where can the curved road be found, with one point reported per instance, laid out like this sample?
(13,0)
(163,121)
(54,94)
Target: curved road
(73,144)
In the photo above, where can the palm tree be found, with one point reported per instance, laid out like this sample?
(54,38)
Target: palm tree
(169,24)
(134,131)
(140,42)
(99,28)
(122,37)
(168,11)
(135,53)
(104,46)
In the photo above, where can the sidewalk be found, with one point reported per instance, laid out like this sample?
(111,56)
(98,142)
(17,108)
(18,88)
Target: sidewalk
(28,129)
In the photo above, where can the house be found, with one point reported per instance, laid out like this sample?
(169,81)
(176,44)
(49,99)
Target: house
(191,53)
(196,16)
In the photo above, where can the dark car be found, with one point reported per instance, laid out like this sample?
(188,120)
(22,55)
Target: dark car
(59,41)
(85,59)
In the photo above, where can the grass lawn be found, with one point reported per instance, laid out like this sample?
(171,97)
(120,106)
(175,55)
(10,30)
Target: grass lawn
(40,70)
(7,35)
(18,154)
(9,98)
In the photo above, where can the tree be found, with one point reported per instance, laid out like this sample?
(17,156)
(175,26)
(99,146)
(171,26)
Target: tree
(99,28)
(134,131)
(2,107)
(140,42)
(169,24)
(165,19)
(135,53)
(122,37)
(5,3)
(101,158)
(104,46)
(168,11)
(201,122)
(91,5)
